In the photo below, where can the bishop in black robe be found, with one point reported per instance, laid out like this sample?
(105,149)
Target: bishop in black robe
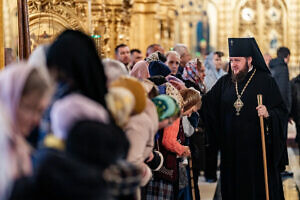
(239,137)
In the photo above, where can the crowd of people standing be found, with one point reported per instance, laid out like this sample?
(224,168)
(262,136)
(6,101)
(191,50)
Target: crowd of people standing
(75,126)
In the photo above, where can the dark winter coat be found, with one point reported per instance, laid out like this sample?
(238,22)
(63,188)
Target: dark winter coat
(295,111)
(280,73)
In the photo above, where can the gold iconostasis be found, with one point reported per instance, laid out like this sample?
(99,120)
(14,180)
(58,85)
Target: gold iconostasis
(203,25)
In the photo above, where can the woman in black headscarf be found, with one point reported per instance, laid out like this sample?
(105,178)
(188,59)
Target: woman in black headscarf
(74,59)
(74,64)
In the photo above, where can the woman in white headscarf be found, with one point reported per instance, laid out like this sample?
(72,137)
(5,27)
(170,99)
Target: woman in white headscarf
(24,94)
(214,71)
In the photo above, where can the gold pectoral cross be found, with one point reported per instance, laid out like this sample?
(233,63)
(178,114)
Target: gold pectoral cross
(238,104)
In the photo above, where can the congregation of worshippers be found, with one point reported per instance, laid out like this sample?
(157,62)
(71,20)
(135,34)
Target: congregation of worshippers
(143,126)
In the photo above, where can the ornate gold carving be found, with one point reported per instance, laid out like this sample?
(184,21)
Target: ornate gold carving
(113,23)
(136,23)
(47,18)
(269,30)
(188,14)
(46,5)
(139,23)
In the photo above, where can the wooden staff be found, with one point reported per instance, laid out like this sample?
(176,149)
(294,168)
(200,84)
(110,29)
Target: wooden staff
(192,179)
(262,130)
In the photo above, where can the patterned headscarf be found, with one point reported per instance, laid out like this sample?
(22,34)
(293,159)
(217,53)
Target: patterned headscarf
(166,106)
(171,91)
(175,81)
(191,72)
(153,57)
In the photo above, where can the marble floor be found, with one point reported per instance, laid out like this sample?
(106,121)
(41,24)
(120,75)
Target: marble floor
(291,185)
(210,191)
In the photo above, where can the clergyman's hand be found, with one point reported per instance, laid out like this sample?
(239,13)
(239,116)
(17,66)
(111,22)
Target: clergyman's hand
(262,111)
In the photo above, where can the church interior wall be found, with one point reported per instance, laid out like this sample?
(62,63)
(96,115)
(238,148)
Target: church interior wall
(139,23)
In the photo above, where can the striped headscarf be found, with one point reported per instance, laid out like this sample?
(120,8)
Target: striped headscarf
(191,71)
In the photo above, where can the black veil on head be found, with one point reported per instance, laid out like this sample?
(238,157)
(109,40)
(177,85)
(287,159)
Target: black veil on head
(74,54)
(245,47)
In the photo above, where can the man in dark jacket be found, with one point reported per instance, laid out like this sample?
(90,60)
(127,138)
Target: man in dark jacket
(280,72)
(295,110)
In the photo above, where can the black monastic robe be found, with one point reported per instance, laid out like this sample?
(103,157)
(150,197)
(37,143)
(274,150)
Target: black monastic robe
(239,137)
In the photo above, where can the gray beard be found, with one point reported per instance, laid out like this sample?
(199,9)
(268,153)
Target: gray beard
(240,76)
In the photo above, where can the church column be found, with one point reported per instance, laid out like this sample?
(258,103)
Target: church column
(293,40)
(185,31)
(182,23)
(145,27)
(188,14)
(118,13)
(166,17)
(260,24)
(221,31)
(100,28)
(197,14)
(225,27)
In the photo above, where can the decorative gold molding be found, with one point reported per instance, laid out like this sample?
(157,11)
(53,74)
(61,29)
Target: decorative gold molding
(139,23)
(230,24)
(48,18)
(189,13)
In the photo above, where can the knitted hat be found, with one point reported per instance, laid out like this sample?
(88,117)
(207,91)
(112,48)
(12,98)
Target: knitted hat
(170,90)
